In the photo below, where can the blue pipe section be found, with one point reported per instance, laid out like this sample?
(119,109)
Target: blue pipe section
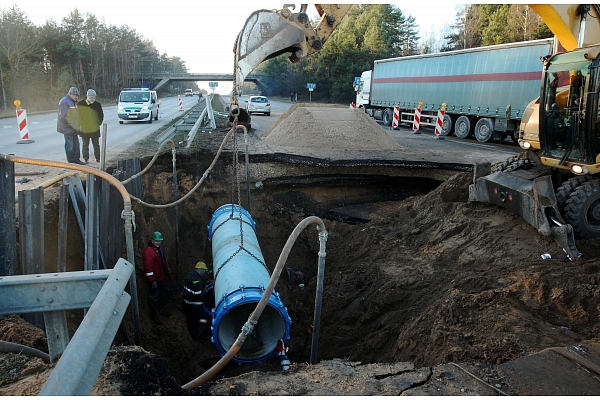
(241,276)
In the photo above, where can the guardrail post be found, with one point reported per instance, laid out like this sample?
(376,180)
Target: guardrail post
(8,229)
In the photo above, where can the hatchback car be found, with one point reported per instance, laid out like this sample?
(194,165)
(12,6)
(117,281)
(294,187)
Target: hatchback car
(258,104)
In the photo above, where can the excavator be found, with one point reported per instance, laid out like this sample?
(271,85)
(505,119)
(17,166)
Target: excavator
(555,185)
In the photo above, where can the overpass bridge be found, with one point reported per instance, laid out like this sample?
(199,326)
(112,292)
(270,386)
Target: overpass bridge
(167,79)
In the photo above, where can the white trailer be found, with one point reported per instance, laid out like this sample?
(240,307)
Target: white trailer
(486,89)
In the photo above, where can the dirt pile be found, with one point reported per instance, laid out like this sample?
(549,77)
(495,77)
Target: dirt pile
(328,128)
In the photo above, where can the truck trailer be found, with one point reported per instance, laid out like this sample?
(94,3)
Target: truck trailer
(486,89)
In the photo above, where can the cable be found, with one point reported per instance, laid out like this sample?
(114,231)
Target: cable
(479,379)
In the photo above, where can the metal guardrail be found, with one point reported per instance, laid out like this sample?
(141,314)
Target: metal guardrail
(101,290)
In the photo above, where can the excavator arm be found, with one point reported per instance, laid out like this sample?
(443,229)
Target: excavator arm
(267,34)
(569,23)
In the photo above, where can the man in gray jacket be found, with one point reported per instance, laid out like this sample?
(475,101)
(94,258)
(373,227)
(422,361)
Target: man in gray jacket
(66,124)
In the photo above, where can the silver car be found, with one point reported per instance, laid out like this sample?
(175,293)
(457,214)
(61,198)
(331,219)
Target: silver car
(258,104)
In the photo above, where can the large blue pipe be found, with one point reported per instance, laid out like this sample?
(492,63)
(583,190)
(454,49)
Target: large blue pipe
(241,276)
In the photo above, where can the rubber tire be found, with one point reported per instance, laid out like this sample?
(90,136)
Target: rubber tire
(387,117)
(121,122)
(156,118)
(463,127)
(567,188)
(484,130)
(150,120)
(447,125)
(268,114)
(583,210)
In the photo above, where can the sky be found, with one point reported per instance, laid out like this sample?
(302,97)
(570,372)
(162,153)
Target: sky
(201,32)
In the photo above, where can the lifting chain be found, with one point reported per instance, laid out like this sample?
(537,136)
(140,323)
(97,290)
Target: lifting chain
(236,181)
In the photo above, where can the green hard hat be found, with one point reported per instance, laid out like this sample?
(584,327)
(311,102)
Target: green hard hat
(157,236)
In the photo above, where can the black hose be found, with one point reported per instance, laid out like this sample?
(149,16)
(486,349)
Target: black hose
(9,347)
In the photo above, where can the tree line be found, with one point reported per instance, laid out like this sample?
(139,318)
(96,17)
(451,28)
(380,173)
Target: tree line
(39,63)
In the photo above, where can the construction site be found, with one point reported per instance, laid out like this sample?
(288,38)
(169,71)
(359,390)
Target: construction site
(419,290)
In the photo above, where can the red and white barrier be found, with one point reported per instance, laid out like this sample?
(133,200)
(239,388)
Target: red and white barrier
(440,121)
(417,119)
(396,117)
(180,104)
(352,106)
(23,128)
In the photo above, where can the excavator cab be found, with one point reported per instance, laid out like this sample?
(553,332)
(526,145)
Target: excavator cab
(569,112)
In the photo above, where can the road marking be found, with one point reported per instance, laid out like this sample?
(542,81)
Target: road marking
(7,126)
(33,123)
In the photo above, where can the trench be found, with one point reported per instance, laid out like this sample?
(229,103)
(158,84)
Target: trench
(281,195)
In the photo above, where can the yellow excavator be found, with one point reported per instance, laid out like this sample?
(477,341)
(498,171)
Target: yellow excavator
(556,188)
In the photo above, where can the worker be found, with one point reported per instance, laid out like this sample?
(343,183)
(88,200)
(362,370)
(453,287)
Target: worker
(156,267)
(196,286)
(555,126)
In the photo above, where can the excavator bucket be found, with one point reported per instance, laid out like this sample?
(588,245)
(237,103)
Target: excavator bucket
(265,35)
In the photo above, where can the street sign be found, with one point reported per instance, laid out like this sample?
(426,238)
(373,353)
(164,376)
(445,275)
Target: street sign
(213,84)
(357,80)
(311,86)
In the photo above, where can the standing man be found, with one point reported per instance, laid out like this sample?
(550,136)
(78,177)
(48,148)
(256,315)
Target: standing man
(156,268)
(91,116)
(67,124)
(195,288)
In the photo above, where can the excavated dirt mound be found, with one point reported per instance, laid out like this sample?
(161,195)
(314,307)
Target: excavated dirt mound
(328,128)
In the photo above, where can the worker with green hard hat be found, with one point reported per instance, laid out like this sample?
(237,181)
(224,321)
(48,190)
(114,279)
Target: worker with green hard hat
(156,268)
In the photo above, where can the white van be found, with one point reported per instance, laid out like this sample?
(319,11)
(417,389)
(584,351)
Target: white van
(137,104)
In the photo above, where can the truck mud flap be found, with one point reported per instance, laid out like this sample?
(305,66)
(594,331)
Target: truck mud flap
(533,200)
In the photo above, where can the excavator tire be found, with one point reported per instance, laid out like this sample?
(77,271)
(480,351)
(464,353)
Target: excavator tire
(583,210)
(567,188)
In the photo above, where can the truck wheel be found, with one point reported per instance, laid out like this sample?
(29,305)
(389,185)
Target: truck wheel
(484,128)
(583,210)
(447,125)
(463,127)
(121,122)
(567,188)
(387,117)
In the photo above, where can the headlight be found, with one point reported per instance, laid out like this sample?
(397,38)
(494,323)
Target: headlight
(579,169)
(525,145)
(145,108)
(121,108)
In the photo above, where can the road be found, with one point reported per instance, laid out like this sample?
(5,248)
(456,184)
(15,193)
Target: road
(48,144)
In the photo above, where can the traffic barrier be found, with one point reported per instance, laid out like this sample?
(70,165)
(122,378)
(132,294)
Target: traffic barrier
(396,117)
(22,122)
(440,121)
(417,119)
(180,104)
(352,105)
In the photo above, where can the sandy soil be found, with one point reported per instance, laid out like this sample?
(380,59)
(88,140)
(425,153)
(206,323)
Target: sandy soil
(431,286)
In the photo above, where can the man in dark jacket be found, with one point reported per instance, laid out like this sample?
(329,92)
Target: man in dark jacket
(156,267)
(68,123)
(195,288)
(91,116)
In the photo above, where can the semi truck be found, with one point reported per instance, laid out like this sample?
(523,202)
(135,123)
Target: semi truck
(486,90)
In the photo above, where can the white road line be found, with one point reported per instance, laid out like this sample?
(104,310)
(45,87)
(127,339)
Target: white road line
(7,126)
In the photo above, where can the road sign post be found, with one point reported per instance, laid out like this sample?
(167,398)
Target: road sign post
(310,87)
